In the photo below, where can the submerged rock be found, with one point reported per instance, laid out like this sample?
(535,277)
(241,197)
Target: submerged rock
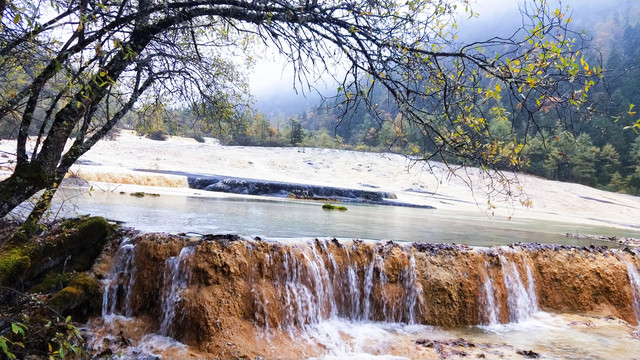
(529,354)
(333,207)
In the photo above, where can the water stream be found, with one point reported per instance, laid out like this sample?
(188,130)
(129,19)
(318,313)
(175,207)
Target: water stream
(522,298)
(634,278)
(116,298)
(489,311)
(175,281)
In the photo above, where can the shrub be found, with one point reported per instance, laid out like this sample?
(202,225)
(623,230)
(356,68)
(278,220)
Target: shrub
(158,135)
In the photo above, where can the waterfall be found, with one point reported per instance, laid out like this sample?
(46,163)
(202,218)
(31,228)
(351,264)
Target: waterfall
(489,311)
(303,292)
(634,278)
(414,290)
(357,298)
(531,288)
(522,301)
(175,281)
(323,280)
(116,298)
(353,287)
(368,285)
(314,287)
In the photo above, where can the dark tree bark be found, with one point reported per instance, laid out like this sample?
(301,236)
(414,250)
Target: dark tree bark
(26,181)
(3,5)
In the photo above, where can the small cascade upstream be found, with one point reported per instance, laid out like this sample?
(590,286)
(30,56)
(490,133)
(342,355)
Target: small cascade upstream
(175,281)
(522,300)
(116,299)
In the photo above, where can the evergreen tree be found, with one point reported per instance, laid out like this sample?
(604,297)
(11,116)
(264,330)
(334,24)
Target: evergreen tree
(297,134)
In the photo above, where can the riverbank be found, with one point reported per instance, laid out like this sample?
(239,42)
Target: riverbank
(129,159)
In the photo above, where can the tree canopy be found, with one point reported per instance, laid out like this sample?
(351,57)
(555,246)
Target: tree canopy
(73,68)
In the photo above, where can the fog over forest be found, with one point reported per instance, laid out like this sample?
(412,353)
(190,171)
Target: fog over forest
(271,80)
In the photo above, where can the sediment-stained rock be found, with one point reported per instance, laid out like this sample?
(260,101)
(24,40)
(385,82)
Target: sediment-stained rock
(232,288)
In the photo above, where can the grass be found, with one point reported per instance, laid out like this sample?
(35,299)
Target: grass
(334,207)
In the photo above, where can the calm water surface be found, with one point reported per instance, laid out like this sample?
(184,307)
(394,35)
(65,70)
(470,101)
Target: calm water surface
(283,218)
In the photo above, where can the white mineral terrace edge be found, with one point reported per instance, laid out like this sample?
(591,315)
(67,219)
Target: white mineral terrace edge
(115,161)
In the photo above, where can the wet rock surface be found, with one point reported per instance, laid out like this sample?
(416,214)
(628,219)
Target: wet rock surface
(262,187)
(224,290)
(626,241)
(246,186)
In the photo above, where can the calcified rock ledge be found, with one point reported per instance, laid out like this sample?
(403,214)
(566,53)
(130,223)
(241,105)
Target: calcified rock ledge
(211,291)
(246,186)
(626,241)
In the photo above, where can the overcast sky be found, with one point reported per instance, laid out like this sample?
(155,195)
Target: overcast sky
(272,77)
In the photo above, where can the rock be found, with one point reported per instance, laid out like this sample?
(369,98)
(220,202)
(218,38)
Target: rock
(80,298)
(75,245)
(530,354)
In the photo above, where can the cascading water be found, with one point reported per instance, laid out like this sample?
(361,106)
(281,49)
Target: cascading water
(348,299)
(368,285)
(315,287)
(175,281)
(353,287)
(634,278)
(522,300)
(413,289)
(531,288)
(116,298)
(489,312)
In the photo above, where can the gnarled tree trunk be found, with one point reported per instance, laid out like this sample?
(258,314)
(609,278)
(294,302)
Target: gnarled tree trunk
(26,180)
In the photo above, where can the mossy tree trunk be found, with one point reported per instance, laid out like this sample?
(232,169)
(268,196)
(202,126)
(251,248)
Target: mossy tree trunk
(31,224)
(77,243)
(57,264)
(26,181)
